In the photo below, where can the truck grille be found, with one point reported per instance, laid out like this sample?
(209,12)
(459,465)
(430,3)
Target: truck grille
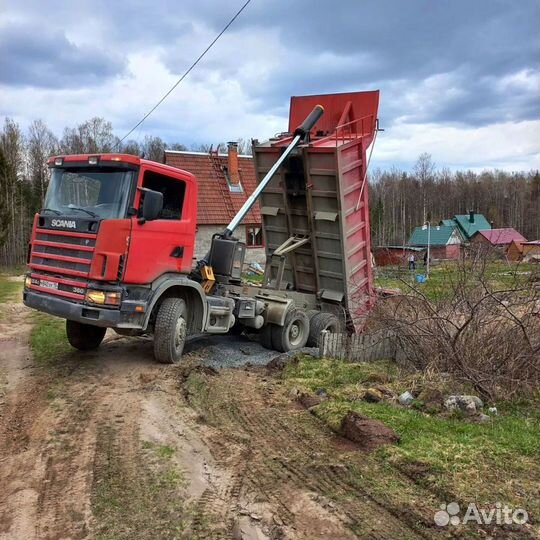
(60,262)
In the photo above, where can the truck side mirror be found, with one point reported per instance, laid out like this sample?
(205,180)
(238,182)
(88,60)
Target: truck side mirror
(152,204)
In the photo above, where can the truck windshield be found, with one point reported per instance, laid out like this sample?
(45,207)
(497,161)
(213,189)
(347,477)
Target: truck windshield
(100,193)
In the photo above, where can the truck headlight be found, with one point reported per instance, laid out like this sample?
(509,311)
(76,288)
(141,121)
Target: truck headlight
(96,297)
(27,282)
(112,298)
(103,297)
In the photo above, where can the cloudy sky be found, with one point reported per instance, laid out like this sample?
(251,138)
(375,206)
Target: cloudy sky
(459,79)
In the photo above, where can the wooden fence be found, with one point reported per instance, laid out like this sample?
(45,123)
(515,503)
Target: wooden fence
(358,347)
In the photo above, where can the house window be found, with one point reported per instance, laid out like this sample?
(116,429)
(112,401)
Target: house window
(173,191)
(254,237)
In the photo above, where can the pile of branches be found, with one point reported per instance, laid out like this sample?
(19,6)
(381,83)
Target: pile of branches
(486,335)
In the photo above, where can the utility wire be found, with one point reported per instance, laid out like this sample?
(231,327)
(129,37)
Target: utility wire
(185,74)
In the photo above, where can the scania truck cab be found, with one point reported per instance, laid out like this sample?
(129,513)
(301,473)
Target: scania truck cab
(115,235)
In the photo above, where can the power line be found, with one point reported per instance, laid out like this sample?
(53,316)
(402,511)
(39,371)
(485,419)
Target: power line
(185,74)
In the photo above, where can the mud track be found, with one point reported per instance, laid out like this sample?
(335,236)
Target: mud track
(287,469)
(110,445)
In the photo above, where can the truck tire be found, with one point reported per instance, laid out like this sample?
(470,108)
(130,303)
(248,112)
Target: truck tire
(293,334)
(236,329)
(84,337)
(265,336)
(170,331)
(319,323)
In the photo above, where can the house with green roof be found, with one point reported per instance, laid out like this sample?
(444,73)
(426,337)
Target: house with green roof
(448,222)
(468,224)
(444,241)
(447,238)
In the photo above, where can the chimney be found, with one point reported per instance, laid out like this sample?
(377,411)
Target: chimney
(471,216)
(232,165)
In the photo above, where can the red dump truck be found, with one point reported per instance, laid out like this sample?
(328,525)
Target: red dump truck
(113,245)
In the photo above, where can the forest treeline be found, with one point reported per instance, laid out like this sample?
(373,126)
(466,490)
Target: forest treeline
(399,200)
(24,174)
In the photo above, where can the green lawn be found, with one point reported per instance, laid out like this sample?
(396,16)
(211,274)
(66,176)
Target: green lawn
(48,338)
(10,290)
(495,461)
(443,277)
(256,279)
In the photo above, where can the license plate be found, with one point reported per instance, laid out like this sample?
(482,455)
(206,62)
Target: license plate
(48,284)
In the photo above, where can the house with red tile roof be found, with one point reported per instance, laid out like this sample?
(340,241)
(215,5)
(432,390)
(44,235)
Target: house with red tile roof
(225,181)
(499,237)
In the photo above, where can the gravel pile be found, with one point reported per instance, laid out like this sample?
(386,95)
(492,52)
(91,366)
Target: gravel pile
(230,351)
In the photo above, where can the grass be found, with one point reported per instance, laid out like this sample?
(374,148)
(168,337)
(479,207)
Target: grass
(163,451)
(499,274)
(10,291)
(256,279)
(48,339)
(495,461)
(140,499)
(17,270)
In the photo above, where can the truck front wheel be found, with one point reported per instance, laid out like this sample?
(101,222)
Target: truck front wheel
(170,331)
(84,337)
(293,334)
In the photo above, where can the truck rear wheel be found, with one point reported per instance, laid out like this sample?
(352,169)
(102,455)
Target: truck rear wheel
(84,337)
(293,334)
(319,323)
(170,331)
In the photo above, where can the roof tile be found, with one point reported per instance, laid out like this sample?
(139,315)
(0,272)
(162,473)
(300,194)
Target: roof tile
(479,223)
(216,204)
(499,237)
(439,235)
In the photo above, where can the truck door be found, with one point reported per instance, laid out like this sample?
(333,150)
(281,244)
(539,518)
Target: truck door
(165,244)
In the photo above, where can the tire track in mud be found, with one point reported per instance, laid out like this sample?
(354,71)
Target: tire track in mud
(293,453)
(57,419)
(215,511)
(22,433)
(63,505)
(271,430)
(49,459)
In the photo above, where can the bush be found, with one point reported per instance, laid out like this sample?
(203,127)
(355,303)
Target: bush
(486,330)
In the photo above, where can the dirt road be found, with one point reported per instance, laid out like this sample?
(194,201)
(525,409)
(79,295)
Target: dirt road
(111,445)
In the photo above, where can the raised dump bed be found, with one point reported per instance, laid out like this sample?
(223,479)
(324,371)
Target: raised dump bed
(315,212)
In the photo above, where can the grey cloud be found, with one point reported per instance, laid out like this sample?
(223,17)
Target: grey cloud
(414,37)
(480,42)
(346,45)
(37,56)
